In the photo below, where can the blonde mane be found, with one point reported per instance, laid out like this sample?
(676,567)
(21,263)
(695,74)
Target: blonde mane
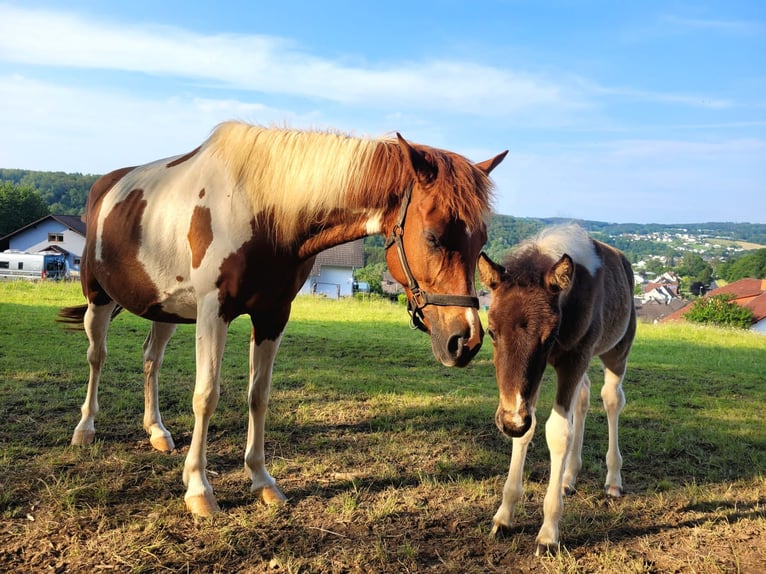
(300,177)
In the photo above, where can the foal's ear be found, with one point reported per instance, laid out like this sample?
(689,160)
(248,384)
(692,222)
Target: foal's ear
(489,271)
(425,170)
(490,164)
(559,277)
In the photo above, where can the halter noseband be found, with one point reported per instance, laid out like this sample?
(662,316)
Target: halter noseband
(420,298)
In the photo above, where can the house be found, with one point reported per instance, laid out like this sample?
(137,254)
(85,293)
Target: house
(63,234)
(331,275)
(750,293)
(390,286)
(333,272)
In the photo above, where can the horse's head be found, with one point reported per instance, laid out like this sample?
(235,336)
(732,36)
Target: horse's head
(523,323)
(434,243)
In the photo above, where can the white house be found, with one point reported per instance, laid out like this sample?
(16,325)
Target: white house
(333,272)
(63,234)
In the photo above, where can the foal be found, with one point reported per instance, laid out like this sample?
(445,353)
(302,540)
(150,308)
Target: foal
(561,299)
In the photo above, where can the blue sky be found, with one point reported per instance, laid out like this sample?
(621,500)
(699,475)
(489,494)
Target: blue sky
(646,112)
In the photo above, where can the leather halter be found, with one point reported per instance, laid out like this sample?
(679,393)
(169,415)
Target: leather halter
(420,298)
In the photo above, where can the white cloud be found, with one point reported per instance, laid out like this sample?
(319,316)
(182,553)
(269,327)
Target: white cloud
(271,65)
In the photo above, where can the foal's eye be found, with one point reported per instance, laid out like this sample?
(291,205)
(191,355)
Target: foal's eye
(491,334)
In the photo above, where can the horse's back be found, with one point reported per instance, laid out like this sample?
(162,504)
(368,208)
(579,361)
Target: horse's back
(618,307)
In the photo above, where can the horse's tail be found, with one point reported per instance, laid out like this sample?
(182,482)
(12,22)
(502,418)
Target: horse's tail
(74,317)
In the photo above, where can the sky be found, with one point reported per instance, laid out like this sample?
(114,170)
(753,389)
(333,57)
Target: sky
(623,112)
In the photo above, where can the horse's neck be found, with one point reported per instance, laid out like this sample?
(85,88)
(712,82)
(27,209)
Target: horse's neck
(370,208)
(341,230)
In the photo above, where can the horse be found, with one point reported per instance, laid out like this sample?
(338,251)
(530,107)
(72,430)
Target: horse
(233,228)
(561,298)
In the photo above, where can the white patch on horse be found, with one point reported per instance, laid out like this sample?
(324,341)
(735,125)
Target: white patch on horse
(374,223)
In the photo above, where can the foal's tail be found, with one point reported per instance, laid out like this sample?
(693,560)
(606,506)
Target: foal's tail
(74,317)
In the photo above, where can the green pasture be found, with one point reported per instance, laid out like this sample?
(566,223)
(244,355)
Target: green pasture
(370,438)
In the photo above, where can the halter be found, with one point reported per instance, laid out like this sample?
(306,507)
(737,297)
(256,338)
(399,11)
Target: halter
(420,298)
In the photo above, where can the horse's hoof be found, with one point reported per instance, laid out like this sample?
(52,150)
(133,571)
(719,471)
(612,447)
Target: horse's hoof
(162,443)
(83,437)
(544,549)
(272,495)
(202,505)
(614,491)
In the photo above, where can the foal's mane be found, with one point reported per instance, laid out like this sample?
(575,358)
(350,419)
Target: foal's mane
(555,241)
(300,177)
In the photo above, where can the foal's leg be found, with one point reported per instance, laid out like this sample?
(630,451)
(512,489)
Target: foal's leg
(154,352)
(558,435)
(96,324)
(210,339)
(514,488)
(574,459)
(261,365)
(614,401)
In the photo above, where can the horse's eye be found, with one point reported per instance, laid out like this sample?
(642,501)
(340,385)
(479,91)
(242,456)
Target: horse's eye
(432,240)
(491,334)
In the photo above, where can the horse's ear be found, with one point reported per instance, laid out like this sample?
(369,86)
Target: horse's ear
(559,277)
(490,164)
(490,272)
(425,170)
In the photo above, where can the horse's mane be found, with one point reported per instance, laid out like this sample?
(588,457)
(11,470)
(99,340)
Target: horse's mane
(300,176)
(557,240)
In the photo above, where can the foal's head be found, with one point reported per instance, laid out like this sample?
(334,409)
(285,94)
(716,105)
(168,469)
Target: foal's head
(523,323)
(440,234)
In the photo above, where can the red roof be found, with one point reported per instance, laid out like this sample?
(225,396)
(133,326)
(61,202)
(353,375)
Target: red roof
(750,293)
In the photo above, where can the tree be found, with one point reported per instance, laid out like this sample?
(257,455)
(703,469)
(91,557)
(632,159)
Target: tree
(695,268)
(19,206)
(372,274)
(720,310)
(750,265)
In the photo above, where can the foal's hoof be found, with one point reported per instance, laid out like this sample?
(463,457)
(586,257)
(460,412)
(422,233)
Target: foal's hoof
(498,527)
(83,437)
(614,491)
(272,495)
(542,549)
(202,505)
(162,443)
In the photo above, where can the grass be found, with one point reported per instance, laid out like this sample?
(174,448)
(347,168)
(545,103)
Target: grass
(391,461)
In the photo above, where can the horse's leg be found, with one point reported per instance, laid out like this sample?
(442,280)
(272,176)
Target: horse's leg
(210,341)
(558,435)
(513,487)
(261,365)
(96,324)
(614,401)
(574,459)
(154,352)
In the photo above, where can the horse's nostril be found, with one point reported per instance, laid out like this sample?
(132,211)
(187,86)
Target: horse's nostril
(455,345)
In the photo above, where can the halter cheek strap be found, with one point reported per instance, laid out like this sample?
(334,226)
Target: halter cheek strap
(420,298)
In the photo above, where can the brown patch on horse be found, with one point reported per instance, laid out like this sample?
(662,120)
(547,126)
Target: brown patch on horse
(200,233)
(183,158)
(120,244)
(245,287)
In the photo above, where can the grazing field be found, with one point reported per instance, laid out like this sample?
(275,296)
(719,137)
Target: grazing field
(391,462)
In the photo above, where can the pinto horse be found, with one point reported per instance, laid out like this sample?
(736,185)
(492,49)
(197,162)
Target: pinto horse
(233,227)
(561,299)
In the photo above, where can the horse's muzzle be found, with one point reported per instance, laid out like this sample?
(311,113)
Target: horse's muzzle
(513,424)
